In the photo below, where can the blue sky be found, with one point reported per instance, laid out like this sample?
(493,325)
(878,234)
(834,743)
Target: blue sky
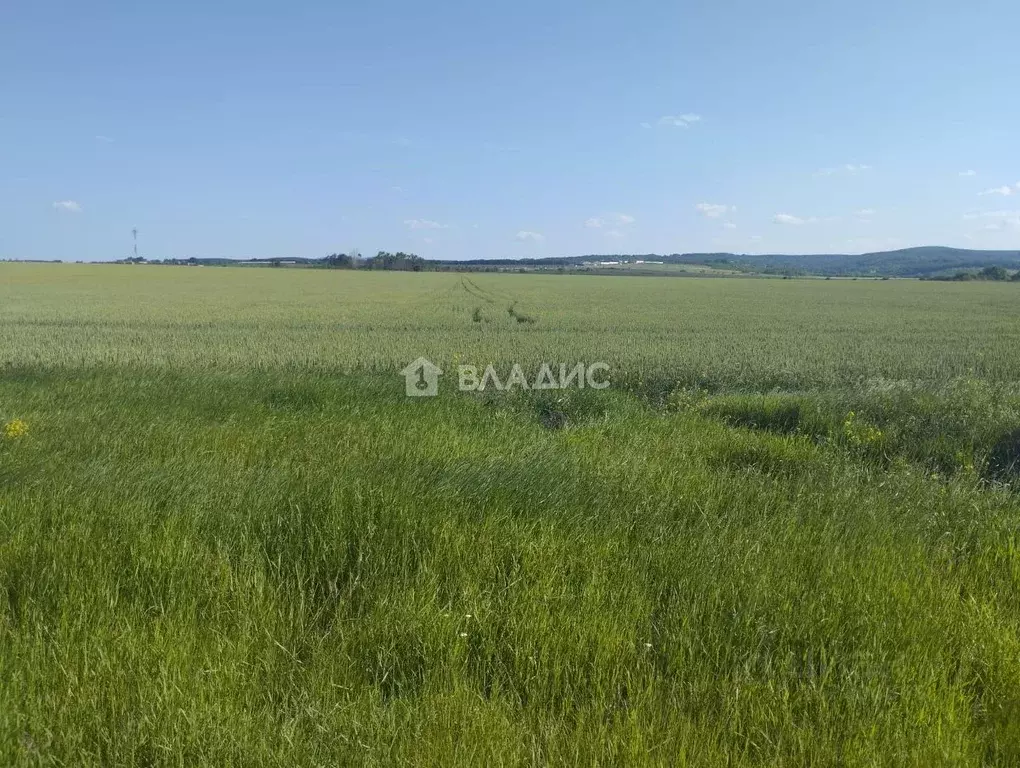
(483,130)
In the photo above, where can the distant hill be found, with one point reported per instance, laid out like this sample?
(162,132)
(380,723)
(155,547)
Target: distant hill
(924,261)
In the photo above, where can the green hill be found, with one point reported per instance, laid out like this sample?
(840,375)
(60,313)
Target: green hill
(924,261)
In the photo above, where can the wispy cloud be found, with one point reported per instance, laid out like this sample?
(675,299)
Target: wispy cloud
(714,210)
(70,206)
(524,236)
(1005,190)
(679,121)
(617,219)
(849,169)
(424,224)
(104,139)
(492,147)
(865,212)
(614,233)
(991,215)
(1002,224)
(729,225)
(795,221)
(968,173)
(995,221)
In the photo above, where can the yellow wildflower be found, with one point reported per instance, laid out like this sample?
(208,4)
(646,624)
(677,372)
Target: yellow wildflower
(15,429)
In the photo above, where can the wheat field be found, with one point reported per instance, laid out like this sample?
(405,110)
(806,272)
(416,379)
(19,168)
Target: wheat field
(737,332)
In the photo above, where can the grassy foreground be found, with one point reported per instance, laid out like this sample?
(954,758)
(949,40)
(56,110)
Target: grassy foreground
(253,570)
(228,564)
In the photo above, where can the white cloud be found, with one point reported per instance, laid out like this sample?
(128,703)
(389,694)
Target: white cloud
(996,220)
(424,224)
(1011,222)
(968,173)
(729,225)
(428,240)
(756,238)
(619,219)
(71,206)
(865,212)
(1004,190)
(991,215)
(786,218)
(614,233)
(524,236)
(104,139)
(680,121)
(646,125)
(492,147)
(848,168)
(714,210)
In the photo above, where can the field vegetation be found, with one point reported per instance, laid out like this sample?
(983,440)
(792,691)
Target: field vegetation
(787,534)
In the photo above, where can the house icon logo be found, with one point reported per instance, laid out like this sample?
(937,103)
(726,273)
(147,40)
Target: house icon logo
(421,378)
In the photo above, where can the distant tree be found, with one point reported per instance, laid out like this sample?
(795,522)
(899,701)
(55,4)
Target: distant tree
(396,261)
(994,273)
(338,261)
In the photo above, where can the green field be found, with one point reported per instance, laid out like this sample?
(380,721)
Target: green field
(749,333)
(787,534)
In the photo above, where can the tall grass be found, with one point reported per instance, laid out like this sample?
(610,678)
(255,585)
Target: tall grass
(259,569)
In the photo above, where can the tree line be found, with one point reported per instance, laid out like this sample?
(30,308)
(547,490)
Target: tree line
(399,261)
